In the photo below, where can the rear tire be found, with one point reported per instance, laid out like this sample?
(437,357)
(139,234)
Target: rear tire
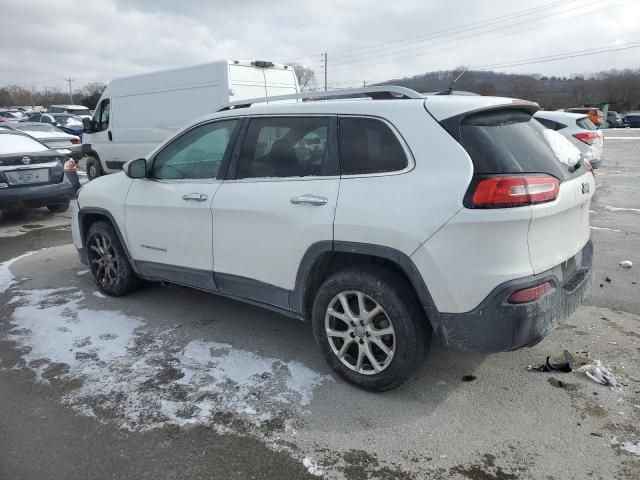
(383,336)
(93,168)
(108,261)
(59,207)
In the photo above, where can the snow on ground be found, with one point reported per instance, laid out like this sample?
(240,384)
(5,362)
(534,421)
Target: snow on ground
(143,377)
(6,278)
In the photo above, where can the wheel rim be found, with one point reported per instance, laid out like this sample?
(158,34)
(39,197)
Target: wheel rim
(360,332)
(103,260)
(93,171)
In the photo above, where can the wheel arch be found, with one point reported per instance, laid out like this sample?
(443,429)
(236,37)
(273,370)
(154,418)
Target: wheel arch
(325,258)
(89,215)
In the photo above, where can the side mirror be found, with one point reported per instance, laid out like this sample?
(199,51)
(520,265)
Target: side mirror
(136,168)
(87,124)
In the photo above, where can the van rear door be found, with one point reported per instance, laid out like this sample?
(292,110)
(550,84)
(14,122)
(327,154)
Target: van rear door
(280,81)
(246,81)
(266,80)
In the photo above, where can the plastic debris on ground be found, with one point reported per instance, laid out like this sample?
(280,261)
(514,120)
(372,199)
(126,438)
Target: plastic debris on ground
(599,373)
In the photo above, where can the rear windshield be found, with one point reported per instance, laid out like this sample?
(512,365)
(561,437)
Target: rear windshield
(13,143)
(586,124)
(512,141)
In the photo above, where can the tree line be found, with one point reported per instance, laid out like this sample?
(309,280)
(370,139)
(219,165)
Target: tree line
(619,88)
(16,95)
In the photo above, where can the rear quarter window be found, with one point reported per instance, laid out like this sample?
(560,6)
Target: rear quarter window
(368,145)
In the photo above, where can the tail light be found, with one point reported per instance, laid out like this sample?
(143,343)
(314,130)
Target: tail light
(70,166)
(587,137)
(530,294)
(75,140)
(514,191)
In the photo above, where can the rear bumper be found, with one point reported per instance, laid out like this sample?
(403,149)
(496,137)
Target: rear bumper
(41,195)
(497,326)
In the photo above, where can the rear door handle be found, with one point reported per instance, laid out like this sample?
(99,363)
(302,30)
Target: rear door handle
(308,199)
(198,197)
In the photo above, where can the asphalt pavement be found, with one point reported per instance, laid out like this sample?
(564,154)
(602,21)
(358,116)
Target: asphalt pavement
(170,382)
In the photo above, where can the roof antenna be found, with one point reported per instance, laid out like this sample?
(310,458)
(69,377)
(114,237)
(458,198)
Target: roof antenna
(449,90)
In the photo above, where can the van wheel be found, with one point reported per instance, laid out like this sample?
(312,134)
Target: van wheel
(108,262)
(93,168)
(370,327)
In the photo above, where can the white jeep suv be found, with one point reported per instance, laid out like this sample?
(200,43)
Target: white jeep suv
(385,221)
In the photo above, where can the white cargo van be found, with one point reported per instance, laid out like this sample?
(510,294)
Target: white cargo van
(137,113)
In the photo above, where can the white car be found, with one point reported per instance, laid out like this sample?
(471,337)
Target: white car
(52,137)
(579,130)
(78,110)
(409,218)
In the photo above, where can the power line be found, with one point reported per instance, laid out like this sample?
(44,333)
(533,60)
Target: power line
(404,57)
(462,28)
(438,32)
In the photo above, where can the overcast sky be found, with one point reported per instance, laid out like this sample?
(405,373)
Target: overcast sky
(43,41)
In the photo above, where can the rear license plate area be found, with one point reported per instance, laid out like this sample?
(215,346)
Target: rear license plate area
(27,176)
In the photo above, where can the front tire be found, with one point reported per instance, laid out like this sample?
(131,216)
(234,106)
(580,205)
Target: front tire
(108,261)
(370,327)
(93,168)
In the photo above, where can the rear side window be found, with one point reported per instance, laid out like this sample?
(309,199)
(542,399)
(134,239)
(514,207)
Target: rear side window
(285,147)
(586,124)
(368,145)
(547,123)
(510,141)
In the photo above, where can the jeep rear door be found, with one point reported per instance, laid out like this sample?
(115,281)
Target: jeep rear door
(279,199)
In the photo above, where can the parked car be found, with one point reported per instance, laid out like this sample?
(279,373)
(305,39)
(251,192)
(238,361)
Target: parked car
(152,106)
(9,116)
(595,115)
(77,110)
(579,130)
(52,137)
(615,120)
(70,124)
(33,175)
(633,119)
(460,217)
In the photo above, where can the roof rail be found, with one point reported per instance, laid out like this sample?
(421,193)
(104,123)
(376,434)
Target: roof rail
(376,93)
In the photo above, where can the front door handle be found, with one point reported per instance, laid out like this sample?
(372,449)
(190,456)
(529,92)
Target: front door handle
(109,135)
(198,197)
(308,199)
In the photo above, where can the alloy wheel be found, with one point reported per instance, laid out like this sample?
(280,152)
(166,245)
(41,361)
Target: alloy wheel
(103,260)
(360,332)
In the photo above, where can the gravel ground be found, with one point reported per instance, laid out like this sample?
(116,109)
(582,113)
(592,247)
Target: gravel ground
(174,383)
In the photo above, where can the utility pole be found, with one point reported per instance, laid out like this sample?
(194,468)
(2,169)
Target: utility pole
(69,80)
(364,83)
(325,71)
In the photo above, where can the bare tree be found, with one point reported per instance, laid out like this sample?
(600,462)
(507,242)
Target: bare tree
(306,77)
(91,93)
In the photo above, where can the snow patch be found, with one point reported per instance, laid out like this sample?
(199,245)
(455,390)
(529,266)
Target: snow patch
(563,149)
(82,272)
(6,277)
(144,378)
(631,447)
(99,294)
(312,467)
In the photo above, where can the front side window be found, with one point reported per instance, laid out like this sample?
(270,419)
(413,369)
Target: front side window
(285,147)
(368,145)
(196,154)
(101,117)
